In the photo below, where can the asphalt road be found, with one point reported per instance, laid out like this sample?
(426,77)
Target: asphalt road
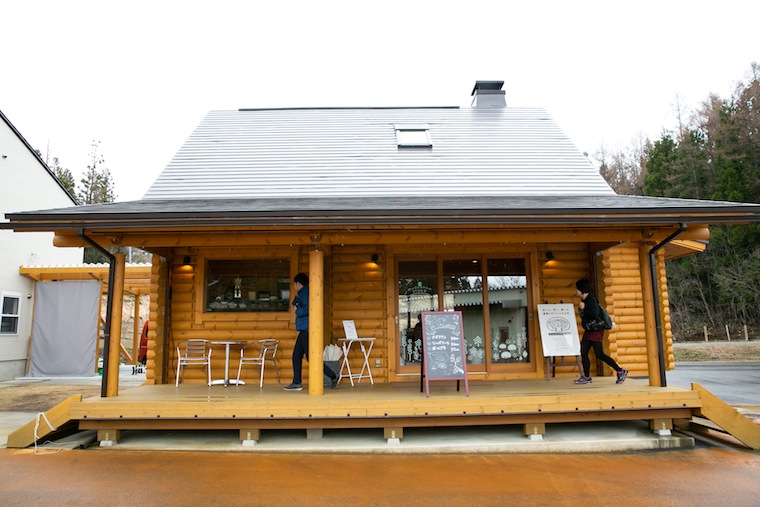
(701,476)
(736,383)
(709,474)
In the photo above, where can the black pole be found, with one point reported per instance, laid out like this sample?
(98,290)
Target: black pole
(656,296)
(109,297)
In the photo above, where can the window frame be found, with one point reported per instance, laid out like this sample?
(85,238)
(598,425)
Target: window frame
(407,136)
(10,295)
(201,315)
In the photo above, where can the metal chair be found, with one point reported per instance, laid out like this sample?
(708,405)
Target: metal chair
(259,352)
(197,352)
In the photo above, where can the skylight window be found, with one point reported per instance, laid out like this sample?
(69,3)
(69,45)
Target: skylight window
(413,136)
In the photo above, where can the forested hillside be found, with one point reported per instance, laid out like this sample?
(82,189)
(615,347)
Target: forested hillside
(715,155)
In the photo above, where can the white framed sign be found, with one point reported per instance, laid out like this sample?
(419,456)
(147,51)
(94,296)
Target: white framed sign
(559,330)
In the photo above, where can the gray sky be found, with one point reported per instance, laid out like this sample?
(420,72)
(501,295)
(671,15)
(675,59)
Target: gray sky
(138,76)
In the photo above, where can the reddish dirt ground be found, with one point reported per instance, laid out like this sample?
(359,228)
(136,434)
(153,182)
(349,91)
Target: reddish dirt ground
(701,476)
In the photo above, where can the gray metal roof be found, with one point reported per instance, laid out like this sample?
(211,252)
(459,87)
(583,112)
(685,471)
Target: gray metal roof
(353,152)
(351,211)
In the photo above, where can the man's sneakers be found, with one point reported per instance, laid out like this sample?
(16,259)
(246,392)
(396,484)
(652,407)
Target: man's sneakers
(583,380)
(334,382)
(294,387)
(622,374)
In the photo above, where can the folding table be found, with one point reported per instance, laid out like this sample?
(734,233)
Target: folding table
(348,341)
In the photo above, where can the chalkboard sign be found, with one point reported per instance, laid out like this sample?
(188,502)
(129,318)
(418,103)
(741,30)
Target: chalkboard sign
(443,348)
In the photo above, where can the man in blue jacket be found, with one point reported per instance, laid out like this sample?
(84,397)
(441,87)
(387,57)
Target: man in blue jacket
(301,349)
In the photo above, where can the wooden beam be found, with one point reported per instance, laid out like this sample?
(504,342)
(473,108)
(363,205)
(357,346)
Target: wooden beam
(117,302)
(645,272)
(316,321)
(405,235)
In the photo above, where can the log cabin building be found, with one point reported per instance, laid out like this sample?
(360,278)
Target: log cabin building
(488,210)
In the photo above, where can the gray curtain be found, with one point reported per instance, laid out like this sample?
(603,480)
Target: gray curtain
(65,329)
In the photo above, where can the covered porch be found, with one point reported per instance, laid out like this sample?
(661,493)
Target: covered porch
(391,407)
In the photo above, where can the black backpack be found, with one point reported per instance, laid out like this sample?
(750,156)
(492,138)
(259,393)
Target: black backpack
(605,323)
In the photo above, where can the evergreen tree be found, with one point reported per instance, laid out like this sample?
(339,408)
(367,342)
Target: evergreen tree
(715,156)
(97,184)
(64,176)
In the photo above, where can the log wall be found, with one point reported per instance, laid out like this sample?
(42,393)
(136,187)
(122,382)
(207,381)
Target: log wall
(365,292)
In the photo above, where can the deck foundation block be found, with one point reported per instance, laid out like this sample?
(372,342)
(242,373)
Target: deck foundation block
(314,433)
(534,431)
(108,438)
(393,435)
(249,438)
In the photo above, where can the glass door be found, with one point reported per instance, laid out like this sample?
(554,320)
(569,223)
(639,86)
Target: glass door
(463,292)
(417,292)
(508,311)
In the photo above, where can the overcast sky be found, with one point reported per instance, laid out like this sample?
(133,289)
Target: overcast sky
(138,76)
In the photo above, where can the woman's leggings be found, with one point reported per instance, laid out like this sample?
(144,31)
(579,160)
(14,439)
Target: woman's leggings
(586,346)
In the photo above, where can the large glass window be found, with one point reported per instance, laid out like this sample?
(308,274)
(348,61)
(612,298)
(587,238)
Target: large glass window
(417,292)
(508,311)
(493,299)
(10,313)
(247,285)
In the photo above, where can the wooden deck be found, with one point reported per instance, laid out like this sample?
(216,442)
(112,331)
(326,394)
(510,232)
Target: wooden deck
(532,403)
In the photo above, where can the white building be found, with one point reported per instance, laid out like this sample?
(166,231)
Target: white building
(27,184)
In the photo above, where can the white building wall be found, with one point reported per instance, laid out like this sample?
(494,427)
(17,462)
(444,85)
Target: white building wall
(25,184)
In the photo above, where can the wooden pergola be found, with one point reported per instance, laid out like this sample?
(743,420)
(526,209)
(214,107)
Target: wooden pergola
(136,283)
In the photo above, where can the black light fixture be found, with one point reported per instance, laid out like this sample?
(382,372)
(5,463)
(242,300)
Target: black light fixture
(549,255)
(186,260)
(374,258)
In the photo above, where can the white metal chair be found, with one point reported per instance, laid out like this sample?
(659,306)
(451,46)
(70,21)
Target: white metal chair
(259,352)
(197,352)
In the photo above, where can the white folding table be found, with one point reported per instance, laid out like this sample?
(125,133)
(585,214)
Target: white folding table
(366,345)
(366,349)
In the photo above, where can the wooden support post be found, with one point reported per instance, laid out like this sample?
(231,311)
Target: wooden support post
(650,327)
(393,435)
(316,322)
(661,427)
(534,431)
(108,438)
(136,330)
(117,300)
(250,437)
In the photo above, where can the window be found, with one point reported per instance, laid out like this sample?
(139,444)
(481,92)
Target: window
(491,293)
(247,285)
(413,136)
(417,293)
(10,315)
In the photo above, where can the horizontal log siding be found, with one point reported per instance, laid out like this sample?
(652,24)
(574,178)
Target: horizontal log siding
(359,294)
(558,277)
(220,327)
(355,289)
(622,298)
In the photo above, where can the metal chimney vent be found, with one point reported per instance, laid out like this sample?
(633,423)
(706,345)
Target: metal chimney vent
(488,94)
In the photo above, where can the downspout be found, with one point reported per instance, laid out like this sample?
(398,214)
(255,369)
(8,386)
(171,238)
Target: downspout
(656,299)
(109,297)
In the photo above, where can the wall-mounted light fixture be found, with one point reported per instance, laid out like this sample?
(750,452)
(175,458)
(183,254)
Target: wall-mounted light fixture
(186,260)
(374,258)
(549,255)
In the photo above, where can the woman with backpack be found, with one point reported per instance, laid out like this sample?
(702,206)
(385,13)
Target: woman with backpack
(590,311)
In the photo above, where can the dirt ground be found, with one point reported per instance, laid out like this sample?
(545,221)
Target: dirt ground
(40,397)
